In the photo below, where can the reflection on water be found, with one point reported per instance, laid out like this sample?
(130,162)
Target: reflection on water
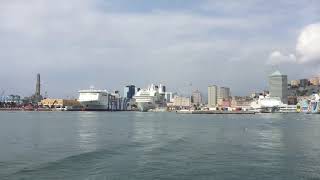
(87,131)
(133,145)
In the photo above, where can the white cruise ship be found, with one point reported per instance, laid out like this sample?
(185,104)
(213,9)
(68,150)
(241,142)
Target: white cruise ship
(266,104)
(94,100)
(149,98)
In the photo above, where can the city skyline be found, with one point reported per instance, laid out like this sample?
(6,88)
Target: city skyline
(110,44)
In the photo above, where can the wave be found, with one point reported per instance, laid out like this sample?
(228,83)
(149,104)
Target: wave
(67,167)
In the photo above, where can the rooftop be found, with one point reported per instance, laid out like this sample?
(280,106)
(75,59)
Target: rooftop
(276,73)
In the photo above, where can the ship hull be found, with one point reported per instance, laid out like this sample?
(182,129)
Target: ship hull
(145,106)
(94,106)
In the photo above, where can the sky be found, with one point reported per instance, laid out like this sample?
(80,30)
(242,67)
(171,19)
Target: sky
(183,44)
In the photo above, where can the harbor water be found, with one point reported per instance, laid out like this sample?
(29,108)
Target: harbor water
(135,145)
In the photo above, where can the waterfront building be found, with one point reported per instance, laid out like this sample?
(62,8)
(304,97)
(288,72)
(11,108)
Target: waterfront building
(13,99)
(212,96)
(182,102)
(295,83)
(304,83)
(129,91)
(223,93)
(168,97)
(278,86)
(292,100)
(196,97)
(59,103)
(314,81)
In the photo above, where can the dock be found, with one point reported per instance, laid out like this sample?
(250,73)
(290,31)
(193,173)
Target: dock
(215,112)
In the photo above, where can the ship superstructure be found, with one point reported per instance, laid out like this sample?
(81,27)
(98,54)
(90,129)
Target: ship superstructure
(150,98)
(267,104)
(95,100)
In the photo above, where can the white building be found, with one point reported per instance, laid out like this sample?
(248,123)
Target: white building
(181,101)
(212,96)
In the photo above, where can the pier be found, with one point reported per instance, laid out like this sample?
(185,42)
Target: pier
(215,112)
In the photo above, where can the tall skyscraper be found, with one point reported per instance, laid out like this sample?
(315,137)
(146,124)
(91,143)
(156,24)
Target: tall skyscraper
(224,93)
(196,97)
(129,91)
(278,86)
(212,96)
(38,88)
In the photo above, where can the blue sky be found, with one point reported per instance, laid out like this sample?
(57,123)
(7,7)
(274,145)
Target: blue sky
(75,44)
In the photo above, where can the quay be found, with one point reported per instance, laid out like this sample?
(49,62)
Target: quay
(214,112)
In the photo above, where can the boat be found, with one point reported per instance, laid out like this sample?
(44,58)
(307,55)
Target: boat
(94,100)
(266,104)
(149,98)
(285,108)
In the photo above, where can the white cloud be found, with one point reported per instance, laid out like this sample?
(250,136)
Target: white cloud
(276,57)
(90,44)
(307,48)
(308,45)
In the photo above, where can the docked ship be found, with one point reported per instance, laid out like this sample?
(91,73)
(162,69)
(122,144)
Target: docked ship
(267,104)
(150,98)
(94,100)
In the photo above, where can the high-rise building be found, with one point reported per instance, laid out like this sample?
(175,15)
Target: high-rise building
(212,96)
(196,97)
(304,82)
(223,93)
(278,86)
(168,97)
(129,91)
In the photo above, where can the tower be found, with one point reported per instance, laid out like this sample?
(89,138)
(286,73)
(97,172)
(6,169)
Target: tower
(38,86)
(278,86)
(212,96)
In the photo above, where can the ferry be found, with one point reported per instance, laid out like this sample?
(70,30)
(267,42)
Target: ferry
(267,104)
(94,100)
(149,98)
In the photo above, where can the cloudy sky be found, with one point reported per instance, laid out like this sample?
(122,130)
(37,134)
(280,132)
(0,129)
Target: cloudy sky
(110,43)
